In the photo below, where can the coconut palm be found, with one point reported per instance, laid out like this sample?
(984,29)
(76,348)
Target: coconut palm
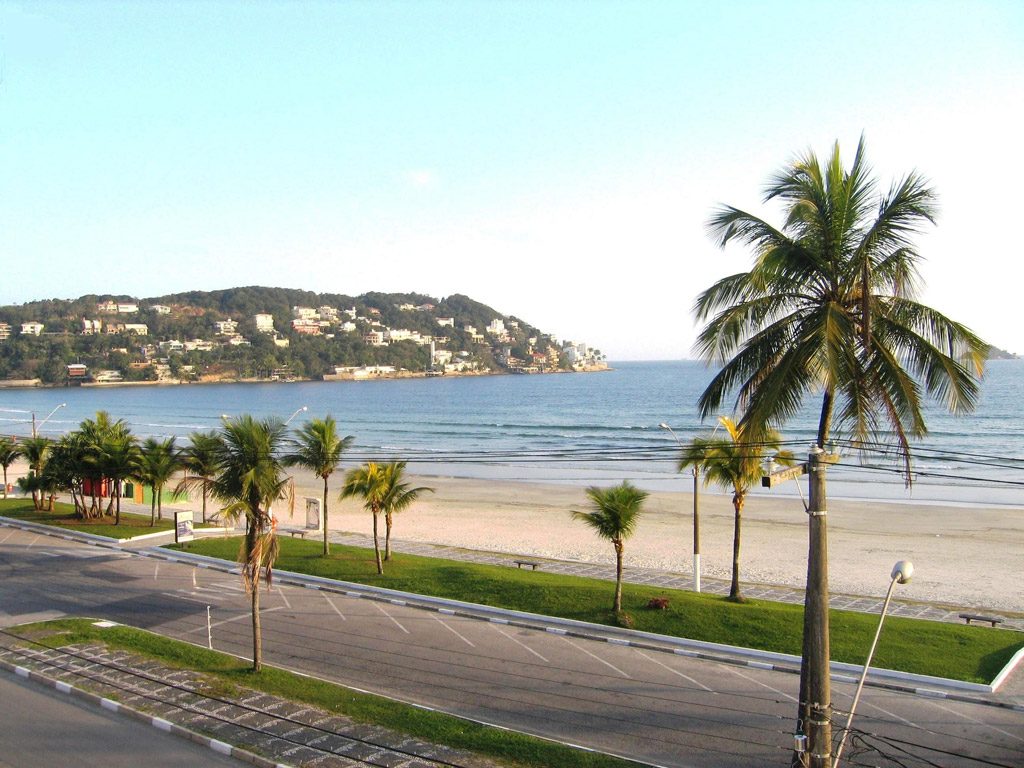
(382,490)
(735,464)
(249,479)
(120,459)
(160,460)
(36,450)
(613,516)
(9,453)
(318,448)
(97,436)
(397,496)
(199,460)
(829,307)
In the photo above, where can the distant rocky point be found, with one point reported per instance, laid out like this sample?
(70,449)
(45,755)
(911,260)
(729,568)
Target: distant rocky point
(994,353)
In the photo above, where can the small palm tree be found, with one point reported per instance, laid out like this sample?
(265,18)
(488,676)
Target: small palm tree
(613,516)
(318,448)
(160,460)
(9,453)
(382,490)
(735,464)
(36,450)
(199,460)
(120,459)
(249,479)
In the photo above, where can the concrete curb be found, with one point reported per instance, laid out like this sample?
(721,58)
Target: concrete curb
(159,723)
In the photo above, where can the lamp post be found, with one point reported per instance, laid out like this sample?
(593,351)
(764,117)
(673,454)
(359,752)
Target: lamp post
(300,410)
(35,429)
(901,573)
(696,512)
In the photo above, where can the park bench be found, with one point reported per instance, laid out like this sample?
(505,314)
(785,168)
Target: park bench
(969,617)
(531,563)
(301,532)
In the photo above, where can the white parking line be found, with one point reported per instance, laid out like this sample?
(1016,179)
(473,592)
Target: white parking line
(156,571)
(455,632)
(5,538)
(597,658)
(748,678)
(953,712)
(519,642)
(239,617)
(49,554)
(180,596)
(336,609)
(32,543)
(381,609)
(676,672)
(283,597)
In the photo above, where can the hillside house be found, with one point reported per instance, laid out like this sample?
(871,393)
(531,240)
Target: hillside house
(31,328)
(264,322)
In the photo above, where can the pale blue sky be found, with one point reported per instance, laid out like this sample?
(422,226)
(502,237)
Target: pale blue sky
(556,160)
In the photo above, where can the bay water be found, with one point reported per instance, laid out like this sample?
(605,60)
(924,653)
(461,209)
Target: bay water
(578,428)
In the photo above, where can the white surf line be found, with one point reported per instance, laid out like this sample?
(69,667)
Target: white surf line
(676,672)
(336,609)
(239,617)
(455,632)
(381,609)
(519,642)
(953,712)
(283,597)
(748,678)
(597,658)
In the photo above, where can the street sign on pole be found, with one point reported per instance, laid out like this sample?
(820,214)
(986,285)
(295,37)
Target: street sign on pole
(183,520)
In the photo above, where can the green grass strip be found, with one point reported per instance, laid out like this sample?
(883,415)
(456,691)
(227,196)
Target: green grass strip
(954,651)
(63,516)
(507,747)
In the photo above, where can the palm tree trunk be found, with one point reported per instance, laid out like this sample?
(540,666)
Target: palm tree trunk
(327,546)
(376,544)
(388,520)
(204,503)
(117,515)
(158,494)
(257,630)
(152,507)
(825,421)
(617,605)
(5,482)
(734,588)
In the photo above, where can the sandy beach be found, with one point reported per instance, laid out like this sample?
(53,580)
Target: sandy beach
(963,556)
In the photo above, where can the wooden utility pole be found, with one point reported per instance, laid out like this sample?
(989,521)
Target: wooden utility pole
(813,737)
(696,528)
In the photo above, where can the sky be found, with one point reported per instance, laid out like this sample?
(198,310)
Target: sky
(555,160)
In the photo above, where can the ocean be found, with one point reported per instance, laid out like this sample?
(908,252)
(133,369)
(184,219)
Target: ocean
(576,428)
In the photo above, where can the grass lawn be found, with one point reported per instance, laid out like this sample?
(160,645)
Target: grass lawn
(955,651)
(509,748)
(63,516)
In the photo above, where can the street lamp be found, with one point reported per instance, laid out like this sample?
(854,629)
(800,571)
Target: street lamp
(696,512)
(901,573)
(300,410)
(35,429)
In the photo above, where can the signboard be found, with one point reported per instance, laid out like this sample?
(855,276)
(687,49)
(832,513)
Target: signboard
(313,514)
(183,525)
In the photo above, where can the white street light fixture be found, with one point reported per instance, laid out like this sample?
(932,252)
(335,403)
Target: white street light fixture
(901,573)
(300,410)
(696,512)
(35,429)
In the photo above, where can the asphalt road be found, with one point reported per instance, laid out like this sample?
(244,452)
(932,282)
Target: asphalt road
(46,729)
(656,707)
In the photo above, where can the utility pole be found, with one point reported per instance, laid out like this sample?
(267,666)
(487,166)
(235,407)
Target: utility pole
(812,742)
(696,528)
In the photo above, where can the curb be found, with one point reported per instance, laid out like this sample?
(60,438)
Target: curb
(159,723)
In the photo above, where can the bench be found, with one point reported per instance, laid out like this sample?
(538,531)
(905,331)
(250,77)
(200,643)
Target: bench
(531,563)
(969,617)
(301,532)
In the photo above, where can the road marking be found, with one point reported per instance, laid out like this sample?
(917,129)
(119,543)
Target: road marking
(49,554)
(239,617)
(381,609)
(336,609)
(519,642)
(156,571)
(748,678)
(953,712)
(597,658)
(32,543)
(179,596)
(675,672)
(9,534)
(232,585)
(284,597)
(911,723)
(193,577)
(454,632)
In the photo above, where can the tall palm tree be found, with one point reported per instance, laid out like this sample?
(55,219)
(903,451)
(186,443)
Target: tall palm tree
(735,464)
(318,448)
(97,436)
(120,459)
(829,307)
(613,516)
(397,496)
(9,453)
(199,460)
(160,460)
(249,479)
